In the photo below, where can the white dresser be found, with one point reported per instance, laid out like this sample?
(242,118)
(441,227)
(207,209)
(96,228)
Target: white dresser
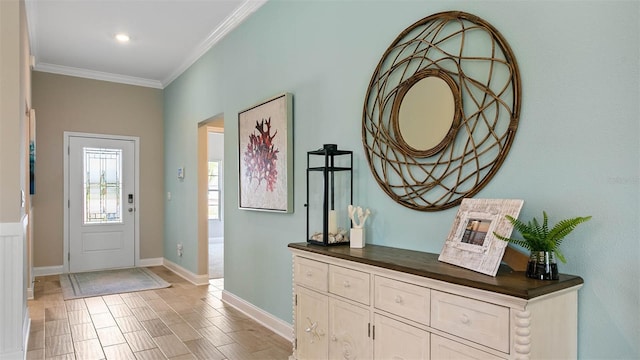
(386,303)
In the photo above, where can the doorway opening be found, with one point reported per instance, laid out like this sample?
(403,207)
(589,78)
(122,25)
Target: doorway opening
(215,166)
(211,195)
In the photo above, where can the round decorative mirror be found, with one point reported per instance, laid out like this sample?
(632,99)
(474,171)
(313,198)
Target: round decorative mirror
(425,113)
(441,111)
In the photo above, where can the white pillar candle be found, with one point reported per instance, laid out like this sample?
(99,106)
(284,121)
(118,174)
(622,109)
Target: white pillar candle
(333,222)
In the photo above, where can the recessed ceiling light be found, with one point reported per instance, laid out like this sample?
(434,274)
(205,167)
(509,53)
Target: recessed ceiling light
(123,38)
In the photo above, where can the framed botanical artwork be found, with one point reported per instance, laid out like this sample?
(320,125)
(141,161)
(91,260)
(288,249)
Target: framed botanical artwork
(471,243)
(265,152)
(32,151)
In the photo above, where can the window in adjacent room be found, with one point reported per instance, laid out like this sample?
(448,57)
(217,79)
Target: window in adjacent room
(214,190)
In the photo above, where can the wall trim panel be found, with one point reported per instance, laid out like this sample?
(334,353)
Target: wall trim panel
(14,314)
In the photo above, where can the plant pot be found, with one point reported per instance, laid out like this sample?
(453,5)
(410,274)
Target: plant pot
(542,266)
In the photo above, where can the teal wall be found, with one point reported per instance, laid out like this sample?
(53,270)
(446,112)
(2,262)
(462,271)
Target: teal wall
(576,151)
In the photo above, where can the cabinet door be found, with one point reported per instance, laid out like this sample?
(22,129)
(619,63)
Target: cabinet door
(312,319)
(349,331)
(396,340)
(442,348)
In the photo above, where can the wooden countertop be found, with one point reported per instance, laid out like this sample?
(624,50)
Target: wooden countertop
(506,281)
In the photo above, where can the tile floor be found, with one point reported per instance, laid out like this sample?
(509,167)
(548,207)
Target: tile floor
(180,322)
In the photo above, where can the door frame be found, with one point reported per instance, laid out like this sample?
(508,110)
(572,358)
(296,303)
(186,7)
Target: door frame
(65,199)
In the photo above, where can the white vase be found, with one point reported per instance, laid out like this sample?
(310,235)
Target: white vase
(356,238)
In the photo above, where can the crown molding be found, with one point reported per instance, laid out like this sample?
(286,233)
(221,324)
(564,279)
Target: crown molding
(247,8)
(97,75)
(31,10)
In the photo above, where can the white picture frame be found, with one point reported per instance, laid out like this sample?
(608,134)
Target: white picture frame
(471,243)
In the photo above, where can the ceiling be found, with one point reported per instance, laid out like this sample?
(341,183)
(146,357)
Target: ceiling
(76,37)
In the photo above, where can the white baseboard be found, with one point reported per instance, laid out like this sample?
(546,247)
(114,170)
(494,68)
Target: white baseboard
(271,322)
(150,262)
(186,274)
(48,270)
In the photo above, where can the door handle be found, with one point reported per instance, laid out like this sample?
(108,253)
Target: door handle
(130,209)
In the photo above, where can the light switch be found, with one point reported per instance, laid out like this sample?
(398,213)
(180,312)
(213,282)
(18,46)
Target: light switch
(168,195)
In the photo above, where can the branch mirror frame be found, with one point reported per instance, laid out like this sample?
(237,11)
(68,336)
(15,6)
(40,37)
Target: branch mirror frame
(441,111)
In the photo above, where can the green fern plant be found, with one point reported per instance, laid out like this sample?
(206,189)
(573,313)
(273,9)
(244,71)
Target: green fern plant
(538,237)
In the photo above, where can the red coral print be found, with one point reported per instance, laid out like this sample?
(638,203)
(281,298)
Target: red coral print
(261,155)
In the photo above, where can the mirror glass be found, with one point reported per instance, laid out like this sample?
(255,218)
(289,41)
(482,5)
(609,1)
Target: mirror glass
(426,113)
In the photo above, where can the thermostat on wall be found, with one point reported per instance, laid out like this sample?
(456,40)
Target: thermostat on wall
(181,173)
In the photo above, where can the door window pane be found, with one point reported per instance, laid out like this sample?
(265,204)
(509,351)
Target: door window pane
(214,190)
(102,185)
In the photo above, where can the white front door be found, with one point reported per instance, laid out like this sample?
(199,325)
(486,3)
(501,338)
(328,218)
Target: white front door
(102,203)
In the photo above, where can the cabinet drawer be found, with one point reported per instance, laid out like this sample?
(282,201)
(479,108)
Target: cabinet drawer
(349,283)
(442,348)
(402,299)
(478,321)
(310,273)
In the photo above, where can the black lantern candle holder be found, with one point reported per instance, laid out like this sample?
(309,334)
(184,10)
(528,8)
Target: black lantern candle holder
(329,194)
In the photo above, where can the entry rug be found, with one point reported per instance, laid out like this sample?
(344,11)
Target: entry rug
(107,282)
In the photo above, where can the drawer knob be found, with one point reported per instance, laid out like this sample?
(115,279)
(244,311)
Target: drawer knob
(347,284)
(334,338)
(465,319)
(398,299)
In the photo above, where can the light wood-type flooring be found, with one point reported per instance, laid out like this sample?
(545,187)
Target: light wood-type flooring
(181,322)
